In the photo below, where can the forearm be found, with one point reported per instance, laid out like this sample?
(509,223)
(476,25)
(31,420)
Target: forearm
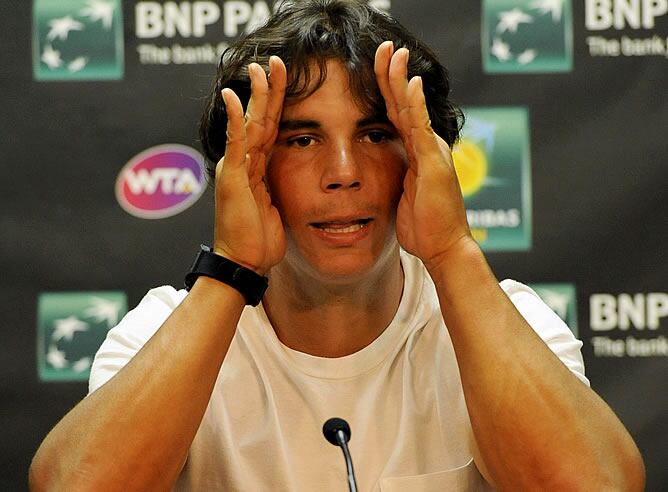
(536,425)
(134,432)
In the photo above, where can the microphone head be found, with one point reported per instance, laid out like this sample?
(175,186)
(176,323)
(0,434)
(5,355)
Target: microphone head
(332,427)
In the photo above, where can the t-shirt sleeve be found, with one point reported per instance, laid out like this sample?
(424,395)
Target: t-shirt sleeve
(548,325)
(134,330)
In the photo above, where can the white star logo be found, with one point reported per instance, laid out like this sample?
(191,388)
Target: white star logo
(51,57)
(56,357)
(60,28)
(77,64)
(501,50)
(99,10)
(103,310)
(82,364)
(527,56)
(552,6)
(66,328)
(511,19)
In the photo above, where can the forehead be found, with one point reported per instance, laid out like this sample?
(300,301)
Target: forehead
(333,97)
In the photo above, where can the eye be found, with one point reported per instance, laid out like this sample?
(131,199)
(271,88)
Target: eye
(303,141)
(377,136)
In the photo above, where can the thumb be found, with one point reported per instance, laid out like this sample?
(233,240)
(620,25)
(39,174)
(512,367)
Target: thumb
(423,136)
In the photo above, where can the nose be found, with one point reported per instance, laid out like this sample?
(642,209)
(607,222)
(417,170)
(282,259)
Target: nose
(341,170)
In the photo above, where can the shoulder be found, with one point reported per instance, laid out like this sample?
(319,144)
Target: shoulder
(548,325)
(542,319)
(537,313)
(126,339)
(165,296)
(151,312)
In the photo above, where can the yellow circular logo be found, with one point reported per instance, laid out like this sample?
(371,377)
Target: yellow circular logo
(470,165)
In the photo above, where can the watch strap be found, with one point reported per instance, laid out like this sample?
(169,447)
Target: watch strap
(209,264)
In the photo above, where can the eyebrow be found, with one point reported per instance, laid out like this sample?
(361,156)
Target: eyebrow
(298,125)
(306,124)
(374,119)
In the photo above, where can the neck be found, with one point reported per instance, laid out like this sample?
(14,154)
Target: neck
(332,319)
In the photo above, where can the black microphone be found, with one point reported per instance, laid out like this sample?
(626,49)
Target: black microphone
(337,431)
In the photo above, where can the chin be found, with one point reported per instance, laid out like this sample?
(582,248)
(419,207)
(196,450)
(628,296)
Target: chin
(344,275)
(348,267)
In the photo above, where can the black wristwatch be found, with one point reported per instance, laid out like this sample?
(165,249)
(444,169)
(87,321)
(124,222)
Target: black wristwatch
(251,285)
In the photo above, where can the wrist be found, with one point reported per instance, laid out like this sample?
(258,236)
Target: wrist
(465,252)
(226,254)
(218,289)
(209,264)
(462,276)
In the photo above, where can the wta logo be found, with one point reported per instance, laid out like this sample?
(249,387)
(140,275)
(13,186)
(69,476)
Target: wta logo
(161,181)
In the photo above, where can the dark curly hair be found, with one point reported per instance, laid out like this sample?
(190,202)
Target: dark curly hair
(305,35)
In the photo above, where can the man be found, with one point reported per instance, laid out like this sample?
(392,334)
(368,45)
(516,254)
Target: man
(325,176)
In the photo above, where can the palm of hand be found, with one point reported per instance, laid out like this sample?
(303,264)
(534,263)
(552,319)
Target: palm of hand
(248,228)
(431,217)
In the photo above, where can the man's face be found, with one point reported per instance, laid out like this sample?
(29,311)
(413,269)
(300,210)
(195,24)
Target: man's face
(335,174)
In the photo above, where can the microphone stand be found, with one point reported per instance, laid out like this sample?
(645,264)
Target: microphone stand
(341,438)
(337,432)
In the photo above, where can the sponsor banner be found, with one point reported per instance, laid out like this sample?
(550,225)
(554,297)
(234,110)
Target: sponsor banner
(492,161)
(561,298)
(527,36)
(629,325)
(196,32)
(624,28)
(77,40)
(71,326)
(161,181)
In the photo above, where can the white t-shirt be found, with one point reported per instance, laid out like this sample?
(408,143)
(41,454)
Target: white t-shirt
(402,395)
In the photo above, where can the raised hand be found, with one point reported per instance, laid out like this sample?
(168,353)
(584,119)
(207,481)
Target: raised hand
(248,228)
(431,218)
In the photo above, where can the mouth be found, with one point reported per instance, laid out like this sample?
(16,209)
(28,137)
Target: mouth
(342,226)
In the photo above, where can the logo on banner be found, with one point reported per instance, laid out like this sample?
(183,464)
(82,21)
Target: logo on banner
(77,40)
(71,326)
(493,166)
(520,36)
(161,181)
(171,33)
(636,19)
(562,300)
(625,325)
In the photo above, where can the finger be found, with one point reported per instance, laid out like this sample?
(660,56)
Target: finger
(277,83)
(399,86)
(235,147)
(424,139)
(381,68)
(256,167)
(257,105)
